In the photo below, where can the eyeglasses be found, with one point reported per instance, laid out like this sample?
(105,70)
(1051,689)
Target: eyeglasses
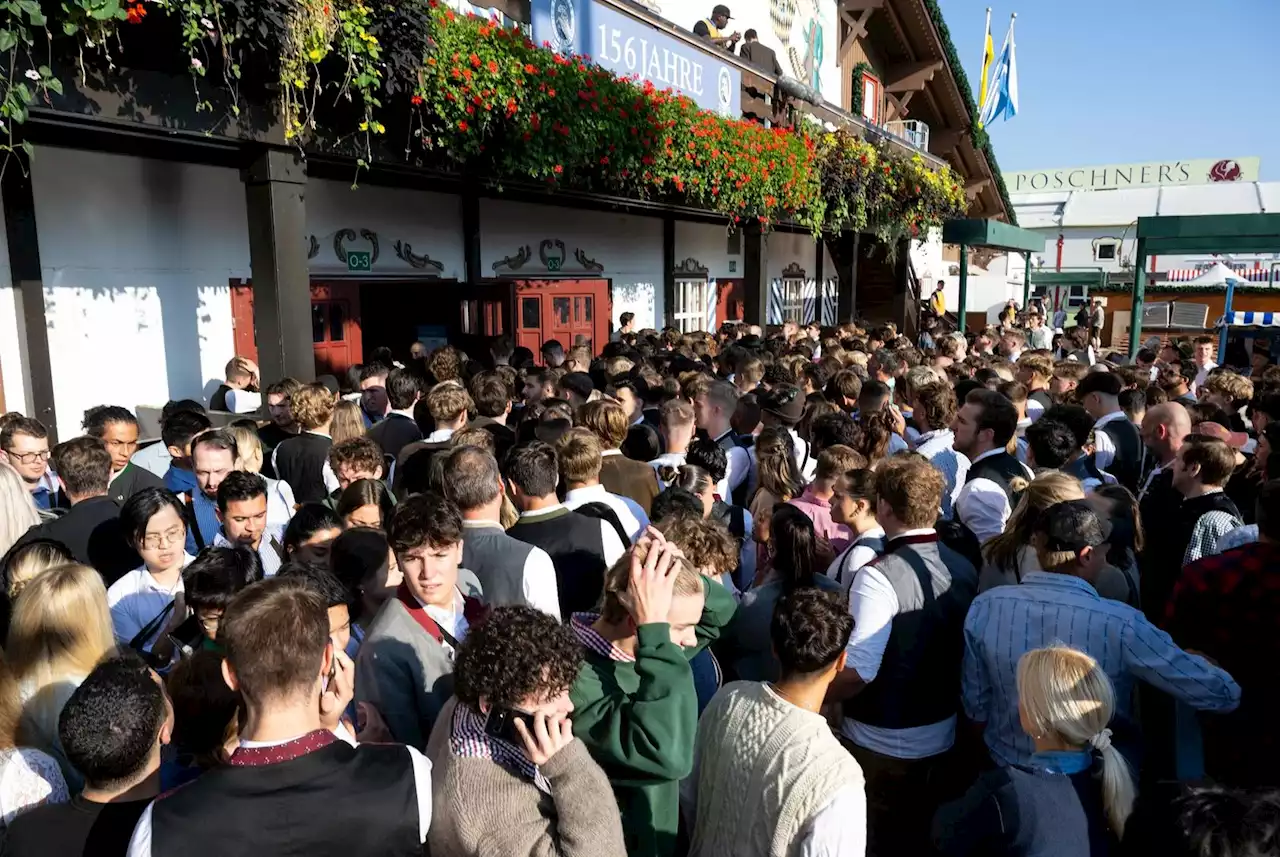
(29,457)
(158,541)
(209,621)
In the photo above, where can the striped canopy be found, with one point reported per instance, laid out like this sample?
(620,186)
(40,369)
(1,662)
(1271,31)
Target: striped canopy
(1254,319)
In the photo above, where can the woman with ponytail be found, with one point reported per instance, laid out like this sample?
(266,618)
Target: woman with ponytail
(1075,797)
(794,563)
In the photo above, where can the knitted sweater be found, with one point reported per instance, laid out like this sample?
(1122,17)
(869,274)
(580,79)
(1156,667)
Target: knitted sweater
(764,767)
(486,810)
(639,719)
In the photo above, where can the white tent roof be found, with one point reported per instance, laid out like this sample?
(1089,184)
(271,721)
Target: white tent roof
(1215,276)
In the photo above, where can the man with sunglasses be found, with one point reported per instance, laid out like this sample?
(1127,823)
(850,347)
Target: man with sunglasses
(24,446)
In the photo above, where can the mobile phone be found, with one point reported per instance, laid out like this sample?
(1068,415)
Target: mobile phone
(333,666)
(502,725)
(187,635)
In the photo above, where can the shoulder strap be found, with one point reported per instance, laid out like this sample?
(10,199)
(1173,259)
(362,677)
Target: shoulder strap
(139,641)
(193,522)
(737,522)
(601,511)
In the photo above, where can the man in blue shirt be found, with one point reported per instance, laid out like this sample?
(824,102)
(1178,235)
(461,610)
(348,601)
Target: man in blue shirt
(1060,606)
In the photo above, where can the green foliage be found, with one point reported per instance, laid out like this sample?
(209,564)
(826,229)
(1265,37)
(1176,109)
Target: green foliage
(858,70)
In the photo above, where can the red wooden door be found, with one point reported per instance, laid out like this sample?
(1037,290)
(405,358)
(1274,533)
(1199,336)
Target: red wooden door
(572,312)
(335,327)
(246,342)
(729,301)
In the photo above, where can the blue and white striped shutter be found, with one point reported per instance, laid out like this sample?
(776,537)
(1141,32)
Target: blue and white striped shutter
(829,290)
(775,303)
(809,304)
(711,306)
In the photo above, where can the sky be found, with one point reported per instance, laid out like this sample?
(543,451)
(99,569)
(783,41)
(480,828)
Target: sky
(1126,81)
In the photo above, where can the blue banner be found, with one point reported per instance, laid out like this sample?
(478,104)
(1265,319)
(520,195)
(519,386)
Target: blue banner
(627,46)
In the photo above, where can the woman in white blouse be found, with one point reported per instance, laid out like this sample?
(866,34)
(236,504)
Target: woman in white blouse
(61,628)
(146,604)
(28,777)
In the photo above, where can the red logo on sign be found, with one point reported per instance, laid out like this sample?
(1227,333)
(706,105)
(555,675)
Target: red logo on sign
(1225,171)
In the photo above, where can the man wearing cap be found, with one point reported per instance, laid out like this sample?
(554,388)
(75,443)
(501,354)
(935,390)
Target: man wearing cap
(713,29)
(783,406)
(1060,605)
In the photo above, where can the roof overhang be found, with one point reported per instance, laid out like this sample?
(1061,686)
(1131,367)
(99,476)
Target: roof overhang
(975,232)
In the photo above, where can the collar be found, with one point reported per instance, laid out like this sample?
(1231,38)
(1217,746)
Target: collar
(1110,418)
(586,493)
(1059,581)
(808,496)
(931,434)
(439,435)
(608,452)
(927,535)
(407,413)
(990,453)
(542,513)
(727,433)
(256,754)
(478,524)
(580,624)
(48,482)
(319,433)
(1066,762)
(468,738)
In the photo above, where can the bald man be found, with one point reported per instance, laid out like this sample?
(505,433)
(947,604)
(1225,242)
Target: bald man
(1164,428)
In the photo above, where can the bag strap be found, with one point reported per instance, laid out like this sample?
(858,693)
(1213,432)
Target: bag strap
(139,641)
(192,521)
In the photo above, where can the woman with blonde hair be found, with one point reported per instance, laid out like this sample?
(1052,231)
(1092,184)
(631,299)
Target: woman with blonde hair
(348,422)
(28,777)
(1077,794)
(280,501)
(1009,555)
(17,510)
(60,630)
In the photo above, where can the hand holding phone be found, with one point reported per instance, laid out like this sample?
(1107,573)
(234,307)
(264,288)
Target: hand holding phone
(548,737)
(340,689)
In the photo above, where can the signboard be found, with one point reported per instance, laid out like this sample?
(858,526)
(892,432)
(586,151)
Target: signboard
(359,260)
(627,46)
(1153,174)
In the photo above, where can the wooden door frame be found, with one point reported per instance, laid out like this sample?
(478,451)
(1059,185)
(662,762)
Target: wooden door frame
(543,288)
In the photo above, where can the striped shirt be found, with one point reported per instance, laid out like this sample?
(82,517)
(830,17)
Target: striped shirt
(468,739)
(1007,622)
(580,624)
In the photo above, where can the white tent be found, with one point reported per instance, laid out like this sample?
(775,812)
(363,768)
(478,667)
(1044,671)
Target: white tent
(1218,275)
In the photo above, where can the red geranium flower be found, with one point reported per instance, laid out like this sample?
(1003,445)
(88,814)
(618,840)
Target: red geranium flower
(463,126)
(475,60)
(493,67)
(415,100)
(558,169)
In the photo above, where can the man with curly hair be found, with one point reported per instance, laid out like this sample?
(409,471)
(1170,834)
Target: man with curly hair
(510,776)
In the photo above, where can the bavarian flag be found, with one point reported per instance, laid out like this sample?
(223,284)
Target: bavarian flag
(988,56)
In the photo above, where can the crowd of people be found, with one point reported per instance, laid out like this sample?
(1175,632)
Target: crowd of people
(806,591)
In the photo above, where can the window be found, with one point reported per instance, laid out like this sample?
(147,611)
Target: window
(317,322)
(1104,251)
(560,312)
(691,304)
(470,317)
(337,319)
(530,313)
(872,95)
(793,300)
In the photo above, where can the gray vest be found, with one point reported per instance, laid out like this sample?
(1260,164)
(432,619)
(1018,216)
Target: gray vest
(498,561)
(919,679)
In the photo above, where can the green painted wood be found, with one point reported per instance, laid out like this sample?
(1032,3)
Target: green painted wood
(976,232)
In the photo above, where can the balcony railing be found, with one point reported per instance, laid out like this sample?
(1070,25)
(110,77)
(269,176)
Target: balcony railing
(913,131)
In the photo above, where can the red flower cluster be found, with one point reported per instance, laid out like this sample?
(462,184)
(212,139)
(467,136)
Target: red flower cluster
(135,13)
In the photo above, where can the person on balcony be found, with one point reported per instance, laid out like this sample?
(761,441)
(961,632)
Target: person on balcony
(713,29)
(759,55)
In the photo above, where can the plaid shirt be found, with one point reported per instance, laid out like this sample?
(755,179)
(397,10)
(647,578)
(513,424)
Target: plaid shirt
(468,739)
(1226,607)
(580,624)
(1204,536)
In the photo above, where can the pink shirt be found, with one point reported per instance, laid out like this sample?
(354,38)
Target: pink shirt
(819,511)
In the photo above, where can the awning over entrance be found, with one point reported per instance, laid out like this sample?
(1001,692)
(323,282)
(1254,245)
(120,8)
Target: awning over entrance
(972,232)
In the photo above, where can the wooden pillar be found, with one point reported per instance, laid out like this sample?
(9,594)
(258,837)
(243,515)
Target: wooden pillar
(1139,295)
(964,288)
(844,253)
(669,271)
(902,288)
(472,259)
(28,278)
(755,273)
(275,186)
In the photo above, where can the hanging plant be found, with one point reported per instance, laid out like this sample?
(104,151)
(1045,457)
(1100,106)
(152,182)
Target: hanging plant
(309,32)
(363,79)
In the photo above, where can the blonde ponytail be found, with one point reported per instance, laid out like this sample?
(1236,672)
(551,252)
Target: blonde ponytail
(1064,693)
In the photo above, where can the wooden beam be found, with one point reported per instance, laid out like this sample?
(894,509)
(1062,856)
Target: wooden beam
(668,271)
(910,77)
(897,107)
(755,275)
(975,187)
(944,142)
(857,28)
(860,5)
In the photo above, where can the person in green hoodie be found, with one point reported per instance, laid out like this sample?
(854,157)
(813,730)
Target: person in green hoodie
(634,701)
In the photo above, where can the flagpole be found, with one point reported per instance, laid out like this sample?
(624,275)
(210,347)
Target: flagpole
(986,34)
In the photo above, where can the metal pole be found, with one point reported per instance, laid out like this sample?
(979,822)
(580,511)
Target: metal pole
(1139,291)
(964,286)
(1026,285)
(1226,322)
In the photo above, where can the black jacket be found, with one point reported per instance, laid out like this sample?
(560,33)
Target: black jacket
(762,57)
(92,533)
(130,481)
(395,433)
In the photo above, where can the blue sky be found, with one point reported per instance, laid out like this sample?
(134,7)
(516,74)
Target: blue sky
(1118,81)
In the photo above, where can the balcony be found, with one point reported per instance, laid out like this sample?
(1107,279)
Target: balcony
(913,131)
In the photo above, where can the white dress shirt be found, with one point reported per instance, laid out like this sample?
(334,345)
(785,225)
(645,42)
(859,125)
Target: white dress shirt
(982,505)
(667,459)
(612,544)
(1202,375)
(140,844)
(739,467)
(271,560)
(629,512)
(538,583)
(452,621)
(1104,449)
(855,556)
(873,603)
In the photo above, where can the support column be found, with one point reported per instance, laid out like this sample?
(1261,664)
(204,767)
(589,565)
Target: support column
(844,252)
(471,256)
(1026,284)
(669,271)
(755,272)
(275,188)
(901,312)
(819,274)
(964,287)
(28,278)
(1139,295)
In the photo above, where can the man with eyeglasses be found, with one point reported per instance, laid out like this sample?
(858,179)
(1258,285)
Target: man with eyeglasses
(24,445)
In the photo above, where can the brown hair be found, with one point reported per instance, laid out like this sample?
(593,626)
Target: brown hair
(616,602)
(776,464)
(475,436)
(938,405)
(491,394)
(359,453)
(274,634)
(1038,364)
(751,370)
(347,422)
(447,400)
(312,406)
(84,466)
(1235,387)
(837,460)
(578,453)
(445,363)
(677,412)
(1070,370)
(240,367)
(912,488)
(606,420)
(706,542)
(1215,458)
